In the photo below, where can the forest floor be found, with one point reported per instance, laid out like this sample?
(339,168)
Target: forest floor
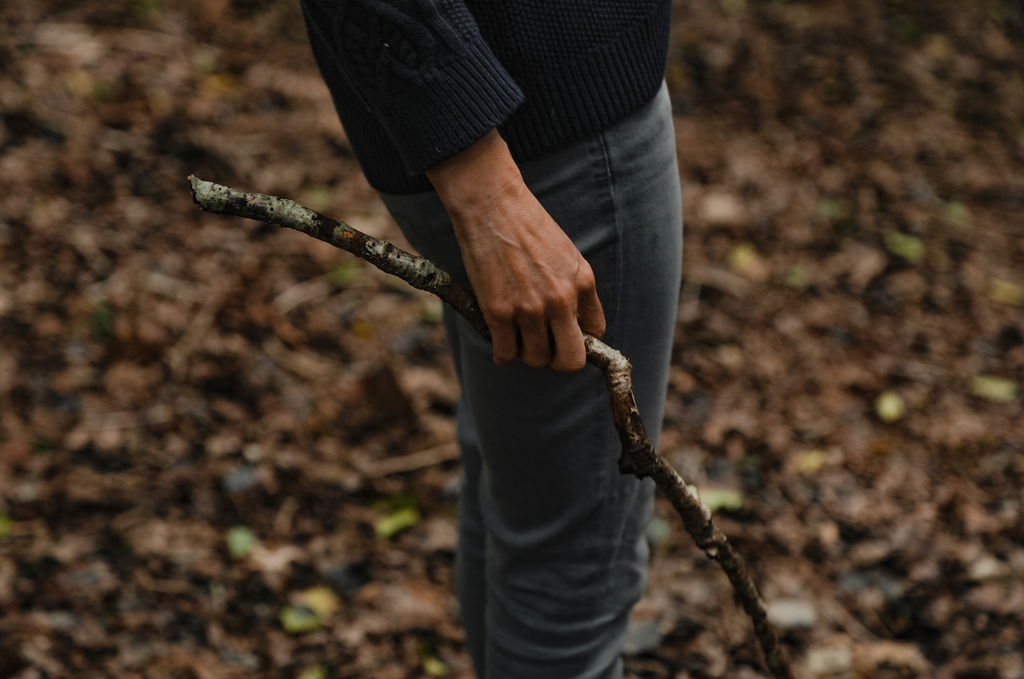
(227,450)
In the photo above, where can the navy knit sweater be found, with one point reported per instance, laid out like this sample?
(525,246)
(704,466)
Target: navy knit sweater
(417,81)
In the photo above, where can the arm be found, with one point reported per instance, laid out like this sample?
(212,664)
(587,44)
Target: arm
(530,280)
(417,71)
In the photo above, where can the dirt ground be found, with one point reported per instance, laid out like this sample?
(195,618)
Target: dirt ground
(228,450)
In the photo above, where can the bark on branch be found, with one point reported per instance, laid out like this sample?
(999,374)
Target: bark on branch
(638,458)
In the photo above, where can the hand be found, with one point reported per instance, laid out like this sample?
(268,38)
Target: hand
(529,278)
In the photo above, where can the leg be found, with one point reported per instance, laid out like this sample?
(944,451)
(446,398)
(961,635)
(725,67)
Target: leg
(552,549)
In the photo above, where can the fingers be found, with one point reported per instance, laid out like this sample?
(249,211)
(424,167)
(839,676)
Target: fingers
(536,342)
(549,335)
(591,314)
(570,355)
(504,340)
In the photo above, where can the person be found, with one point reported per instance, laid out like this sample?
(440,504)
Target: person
(527,148)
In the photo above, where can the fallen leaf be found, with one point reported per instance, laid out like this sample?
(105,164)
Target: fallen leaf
(274,560)
(317,672)
(742,257)
(721,498)
(904,245)
(241,540)
(994,389)
(889,406)
(1005,292)
(299,619)
(797,277)
(347,271)
(321,600)
(810,461)
(431,665)
(956,212)
(397,521)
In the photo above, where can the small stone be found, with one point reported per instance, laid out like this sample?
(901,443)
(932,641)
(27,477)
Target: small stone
(792,614)
(822,662)
(723,209)
(240,478)
(986,568)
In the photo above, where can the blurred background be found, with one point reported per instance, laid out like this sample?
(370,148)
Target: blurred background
(228,450)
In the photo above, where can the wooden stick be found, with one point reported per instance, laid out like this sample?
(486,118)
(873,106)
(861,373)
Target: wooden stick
(638,458)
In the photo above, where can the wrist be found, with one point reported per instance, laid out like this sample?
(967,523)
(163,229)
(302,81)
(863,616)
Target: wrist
(471,180)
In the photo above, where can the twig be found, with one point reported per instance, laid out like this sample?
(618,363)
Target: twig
(412,461)
(638,454)
(300,293)
(178,355)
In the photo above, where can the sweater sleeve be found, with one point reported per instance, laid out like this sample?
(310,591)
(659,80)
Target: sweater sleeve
(420,68)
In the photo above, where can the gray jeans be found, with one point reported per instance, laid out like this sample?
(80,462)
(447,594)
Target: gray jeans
(552,554)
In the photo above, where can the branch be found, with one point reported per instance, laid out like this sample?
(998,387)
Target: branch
(638,458)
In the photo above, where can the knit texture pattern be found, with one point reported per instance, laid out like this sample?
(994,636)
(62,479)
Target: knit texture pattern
(417,81)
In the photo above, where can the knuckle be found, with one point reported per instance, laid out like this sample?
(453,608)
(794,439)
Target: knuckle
(562,298)
(499,312)
(531,309)
(586,277)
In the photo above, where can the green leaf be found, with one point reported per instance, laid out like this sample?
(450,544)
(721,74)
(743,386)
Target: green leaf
(397,521)
(956,212)
(906,246)
(5,527)
(797,277)
(299,619)
(742,256)
(320,199)
(432,311)
(42,446)
(148,7)
(432,667)
(317,672)
(734,7)
(345,273)
(101,321)
(721,498)
(906,29)
(833,210)
(395,502)
(241,540)
(994,389)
